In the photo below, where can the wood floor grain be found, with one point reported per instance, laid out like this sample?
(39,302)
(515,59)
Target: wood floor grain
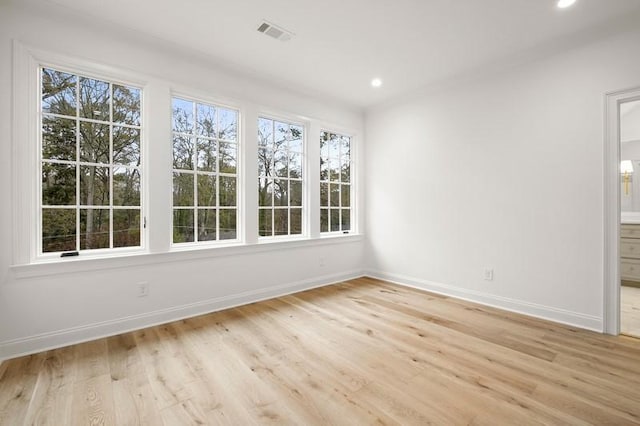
(360,352)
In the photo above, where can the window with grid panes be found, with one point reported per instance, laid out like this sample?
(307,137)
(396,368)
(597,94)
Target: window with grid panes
(90,163)
(280,178)
(335,182)
(205,172)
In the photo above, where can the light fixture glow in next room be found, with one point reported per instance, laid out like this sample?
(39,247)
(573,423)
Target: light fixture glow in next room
(376,82)
(562,4)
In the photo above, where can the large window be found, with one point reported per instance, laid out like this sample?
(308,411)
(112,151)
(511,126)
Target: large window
(205,172)
(280,177)
(90,163)
(335,182)
(82,168)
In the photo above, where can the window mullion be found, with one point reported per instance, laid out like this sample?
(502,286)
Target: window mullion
(77,79)
(312,187)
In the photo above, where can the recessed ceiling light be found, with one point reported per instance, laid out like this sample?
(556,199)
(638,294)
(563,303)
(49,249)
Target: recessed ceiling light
(376,82)
(562,4)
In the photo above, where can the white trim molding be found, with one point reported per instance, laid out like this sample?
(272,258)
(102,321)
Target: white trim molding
(574,319)
(611,213)
(84,333)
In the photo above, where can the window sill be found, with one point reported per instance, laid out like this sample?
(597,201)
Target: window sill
(72,265)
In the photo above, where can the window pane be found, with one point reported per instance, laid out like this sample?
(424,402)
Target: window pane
(58,184)
(183,230)
(346,196)
(94,142)
(58,230)
(206,224)
(94,186)
(295,144)
(265,162)
(335,220)
(227,191)
(345,169)
(228,124)
(324,169)
(183,120)
(346,219)
(334,170)
(281,222)
(58,138)
(207,155)
(296,192)
(206,190)
(126,146)
(335,167)
(295,165)
(324,194)
(265,228)
(126,105)
(324,144)
(228,155)
(345,148)
(265,192)
(295,219)
(183,152)
(265,132)
(280,163)
(282,135)
(126,187)
(324,220)
(334,196)
(206,120)
(126,228)
(280,193)
(280,155)
(58,92)
(94,99)
(228,224)
(99,134)
(183,189)
(94,229)
(334,147)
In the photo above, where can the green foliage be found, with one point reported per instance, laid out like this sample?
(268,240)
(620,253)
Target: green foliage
(78,110)
(204,140)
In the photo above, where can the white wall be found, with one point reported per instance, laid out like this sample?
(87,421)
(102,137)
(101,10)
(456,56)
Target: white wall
(504,172)
(65,304)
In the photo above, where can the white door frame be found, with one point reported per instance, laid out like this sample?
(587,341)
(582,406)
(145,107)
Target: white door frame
(611,317)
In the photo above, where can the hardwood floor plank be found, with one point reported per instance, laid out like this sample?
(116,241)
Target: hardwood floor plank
(93,402)
(53,393)
(132,392)
(360,352)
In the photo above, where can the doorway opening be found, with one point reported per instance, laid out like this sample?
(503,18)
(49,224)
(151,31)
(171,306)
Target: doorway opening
(622,214)
(629,137)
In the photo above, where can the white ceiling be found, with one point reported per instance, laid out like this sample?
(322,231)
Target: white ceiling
(340,45)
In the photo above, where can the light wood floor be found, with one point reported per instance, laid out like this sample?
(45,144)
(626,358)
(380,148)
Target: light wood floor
(630,311)
(361,352)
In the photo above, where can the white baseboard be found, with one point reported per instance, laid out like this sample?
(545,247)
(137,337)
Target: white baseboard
(56,339)
(562,316)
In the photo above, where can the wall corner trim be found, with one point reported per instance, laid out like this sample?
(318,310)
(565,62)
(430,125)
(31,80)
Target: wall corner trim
(574,319)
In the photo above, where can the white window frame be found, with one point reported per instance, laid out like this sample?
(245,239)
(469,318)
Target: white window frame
(27,139)
(156,167)
(306,211)
(218,103)
(78,206)
(353,211)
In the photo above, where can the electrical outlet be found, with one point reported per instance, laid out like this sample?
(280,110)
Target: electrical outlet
(488,274)
(143,289)
(323,262)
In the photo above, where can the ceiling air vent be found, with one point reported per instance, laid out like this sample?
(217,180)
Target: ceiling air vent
(274,31)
